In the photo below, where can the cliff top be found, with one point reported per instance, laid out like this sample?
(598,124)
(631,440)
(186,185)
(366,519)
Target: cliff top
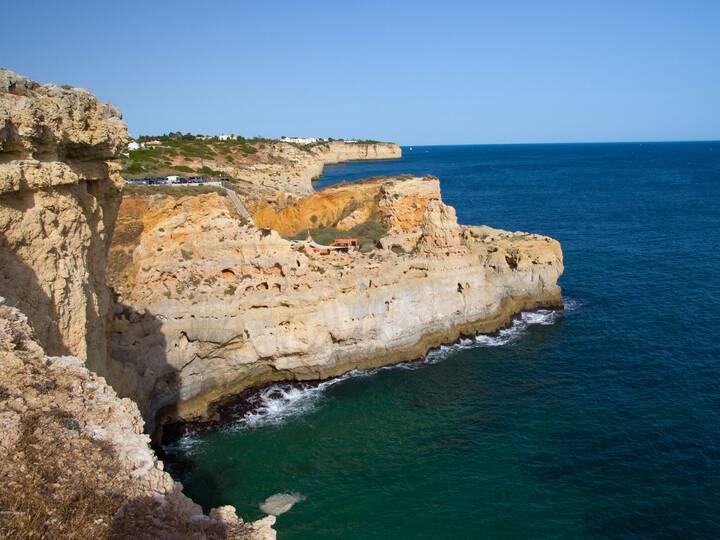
(52,135)
(265,169)
(56,122)
(217,156)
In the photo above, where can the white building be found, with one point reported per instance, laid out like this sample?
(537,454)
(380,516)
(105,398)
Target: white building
(300,140)
(135,145)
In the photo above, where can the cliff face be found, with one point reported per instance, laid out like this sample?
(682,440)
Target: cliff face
(265,167)
(210,306)
(75,462)
(288,168)
(59,193)
(326,208)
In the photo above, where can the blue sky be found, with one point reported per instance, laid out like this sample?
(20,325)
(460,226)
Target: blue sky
(413,72)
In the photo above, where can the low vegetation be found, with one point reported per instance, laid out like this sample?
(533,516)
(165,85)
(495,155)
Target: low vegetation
(176,148)
(172,191)
(368,234)
(45,493)
(163,158)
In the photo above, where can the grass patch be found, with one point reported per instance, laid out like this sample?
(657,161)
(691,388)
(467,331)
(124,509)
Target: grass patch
(65,489)
(368,234)
(127,232)
(230,290)
(172,191)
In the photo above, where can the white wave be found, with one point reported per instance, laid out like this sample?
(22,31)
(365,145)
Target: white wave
(572,305)
(186,444)
(279,402)
(543,317)
(280,503)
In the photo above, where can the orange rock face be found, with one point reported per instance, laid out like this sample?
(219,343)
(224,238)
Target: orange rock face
(211,304)
(325,208)
(398,203)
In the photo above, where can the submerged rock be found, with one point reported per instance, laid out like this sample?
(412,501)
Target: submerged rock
(280,503)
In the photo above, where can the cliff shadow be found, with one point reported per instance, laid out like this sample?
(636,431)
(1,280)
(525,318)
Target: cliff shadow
(138,365)
(52,258)
(139,369)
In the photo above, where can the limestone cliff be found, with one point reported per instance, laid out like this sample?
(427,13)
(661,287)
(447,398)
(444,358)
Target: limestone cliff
(267,167)
(59,192)
(209,305)
(290,168)
(75,462)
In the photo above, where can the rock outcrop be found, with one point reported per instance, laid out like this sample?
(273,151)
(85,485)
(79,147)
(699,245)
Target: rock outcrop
(209,305)
(322,209)
(75,461)
(291,168)
(59,193)
(267,171)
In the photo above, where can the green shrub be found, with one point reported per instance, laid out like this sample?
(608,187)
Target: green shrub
(230,290)
(127,232)
(210,172)
(368,234)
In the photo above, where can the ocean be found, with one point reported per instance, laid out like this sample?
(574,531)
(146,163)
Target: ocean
(599,421)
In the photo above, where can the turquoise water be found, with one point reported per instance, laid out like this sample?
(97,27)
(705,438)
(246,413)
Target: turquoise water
(600,422)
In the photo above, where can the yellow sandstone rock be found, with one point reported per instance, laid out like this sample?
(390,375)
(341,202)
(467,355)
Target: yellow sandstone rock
(211,305)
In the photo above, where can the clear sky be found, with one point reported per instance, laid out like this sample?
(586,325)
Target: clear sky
(414,72)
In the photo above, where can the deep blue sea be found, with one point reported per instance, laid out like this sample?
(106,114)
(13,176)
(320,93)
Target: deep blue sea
(599,422)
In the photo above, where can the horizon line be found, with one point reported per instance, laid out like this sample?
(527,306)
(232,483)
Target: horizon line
(658,141)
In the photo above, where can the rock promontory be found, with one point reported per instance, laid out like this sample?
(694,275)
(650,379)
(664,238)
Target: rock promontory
(210,305)
(205,302)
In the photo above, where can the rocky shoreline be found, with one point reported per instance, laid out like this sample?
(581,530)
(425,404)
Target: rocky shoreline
(205,304)
(236,406)
(210,306)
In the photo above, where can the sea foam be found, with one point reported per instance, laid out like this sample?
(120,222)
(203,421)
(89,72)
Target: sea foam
(279,402)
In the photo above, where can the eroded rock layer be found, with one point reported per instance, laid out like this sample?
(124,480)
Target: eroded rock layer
(210,305)
(59,193)
(289,168)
